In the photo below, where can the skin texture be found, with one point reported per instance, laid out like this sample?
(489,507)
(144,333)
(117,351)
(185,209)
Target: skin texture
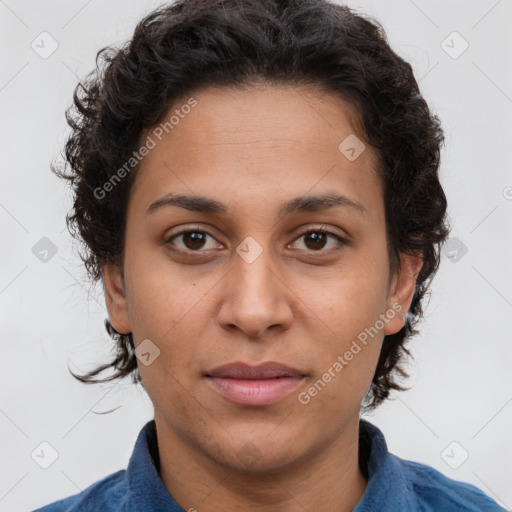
(300,303)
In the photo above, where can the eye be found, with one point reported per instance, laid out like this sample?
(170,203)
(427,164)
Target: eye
(316,239)
(191,240)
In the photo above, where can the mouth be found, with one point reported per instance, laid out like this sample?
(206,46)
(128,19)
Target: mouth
(264,384)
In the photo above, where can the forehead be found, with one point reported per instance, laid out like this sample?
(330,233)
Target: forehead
(294,114)
(267,142)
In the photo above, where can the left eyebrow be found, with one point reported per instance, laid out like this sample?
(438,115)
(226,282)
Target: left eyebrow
(315,203)
(311,203)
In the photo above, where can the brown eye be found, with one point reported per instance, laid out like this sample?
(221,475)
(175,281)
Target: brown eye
(316,240)
(192,240)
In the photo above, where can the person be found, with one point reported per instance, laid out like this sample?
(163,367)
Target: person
(256,185)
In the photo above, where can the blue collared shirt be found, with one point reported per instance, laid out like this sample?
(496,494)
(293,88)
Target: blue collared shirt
(394,484)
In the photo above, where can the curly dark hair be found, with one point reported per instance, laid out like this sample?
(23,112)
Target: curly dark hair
(189,44)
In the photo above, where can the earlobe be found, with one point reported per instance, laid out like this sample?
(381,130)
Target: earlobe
(402,292)
(115,297)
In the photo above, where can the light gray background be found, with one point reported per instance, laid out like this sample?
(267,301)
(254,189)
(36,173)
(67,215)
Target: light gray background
(462,384)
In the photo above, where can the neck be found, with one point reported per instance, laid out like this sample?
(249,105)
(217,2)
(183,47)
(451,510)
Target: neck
(329,479)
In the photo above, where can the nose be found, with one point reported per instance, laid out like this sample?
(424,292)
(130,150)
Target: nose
(255,297)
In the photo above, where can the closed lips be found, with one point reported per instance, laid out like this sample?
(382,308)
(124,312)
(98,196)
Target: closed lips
(261,385)
(239,370)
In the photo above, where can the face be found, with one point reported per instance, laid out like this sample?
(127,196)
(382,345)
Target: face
(251,280)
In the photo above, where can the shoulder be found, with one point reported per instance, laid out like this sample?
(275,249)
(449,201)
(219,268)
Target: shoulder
(106,495)
(399,484)
(434,491)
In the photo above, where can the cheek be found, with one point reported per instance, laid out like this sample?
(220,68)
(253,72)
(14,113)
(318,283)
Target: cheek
(166,306)
(160,297)
(350,328)
(352,299)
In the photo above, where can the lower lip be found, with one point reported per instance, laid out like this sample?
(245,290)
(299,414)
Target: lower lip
(255,392)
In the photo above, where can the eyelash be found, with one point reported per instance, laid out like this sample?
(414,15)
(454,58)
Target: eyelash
(338,238)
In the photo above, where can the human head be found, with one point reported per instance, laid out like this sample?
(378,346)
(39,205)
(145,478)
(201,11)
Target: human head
(190,45)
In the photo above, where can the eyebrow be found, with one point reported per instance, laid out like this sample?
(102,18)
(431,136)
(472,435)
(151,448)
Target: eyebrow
(206,205)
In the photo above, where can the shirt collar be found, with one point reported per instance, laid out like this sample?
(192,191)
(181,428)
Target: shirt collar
(146,491)
(387,485)
(386,489)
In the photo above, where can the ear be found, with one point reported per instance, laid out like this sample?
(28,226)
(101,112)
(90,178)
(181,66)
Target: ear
(115,297)
(401,291)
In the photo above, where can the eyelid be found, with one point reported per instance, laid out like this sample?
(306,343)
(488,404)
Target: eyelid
(322,229)
(342,240)
(189,229)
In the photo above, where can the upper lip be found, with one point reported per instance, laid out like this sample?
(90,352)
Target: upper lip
(240,370)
